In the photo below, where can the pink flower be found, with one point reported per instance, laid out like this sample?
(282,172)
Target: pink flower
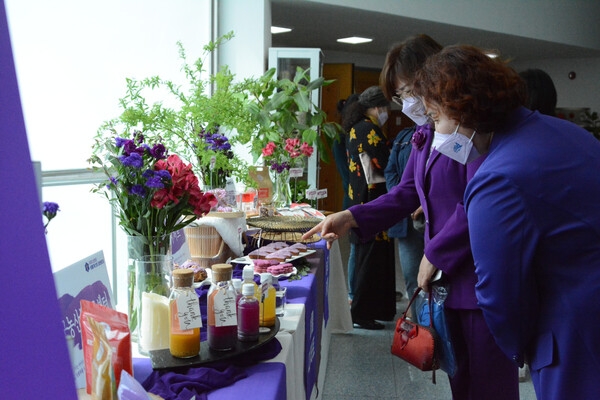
(269,149)
(306,149)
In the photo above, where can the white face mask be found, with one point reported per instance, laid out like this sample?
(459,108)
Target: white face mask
(459,147)
(414,109)
(382,118)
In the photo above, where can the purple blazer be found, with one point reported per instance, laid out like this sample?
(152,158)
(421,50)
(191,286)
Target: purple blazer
(438,184)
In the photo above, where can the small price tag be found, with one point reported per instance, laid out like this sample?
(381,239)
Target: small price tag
(311,194)
(213,162)
(296,172)
(188,311)
(321,193)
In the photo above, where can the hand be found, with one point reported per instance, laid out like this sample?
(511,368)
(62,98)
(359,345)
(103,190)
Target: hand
(416,213)
(426,271)
(333,226)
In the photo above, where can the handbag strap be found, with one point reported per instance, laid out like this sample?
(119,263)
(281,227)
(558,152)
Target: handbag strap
(412,299)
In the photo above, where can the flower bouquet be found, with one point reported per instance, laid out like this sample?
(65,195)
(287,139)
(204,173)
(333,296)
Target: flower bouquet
(153,194)
(280,158)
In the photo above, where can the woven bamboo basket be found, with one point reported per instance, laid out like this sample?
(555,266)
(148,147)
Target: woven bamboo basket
(207,247)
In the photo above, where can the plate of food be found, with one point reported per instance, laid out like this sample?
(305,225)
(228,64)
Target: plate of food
(278,270)
(202,276)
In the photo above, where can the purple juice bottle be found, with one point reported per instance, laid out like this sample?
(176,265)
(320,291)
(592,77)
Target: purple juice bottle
(248,315)
(221,310)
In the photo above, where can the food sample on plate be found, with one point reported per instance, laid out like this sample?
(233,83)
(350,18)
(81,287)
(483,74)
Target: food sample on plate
(283,268)
(200,273)
(279,255)
(261,266)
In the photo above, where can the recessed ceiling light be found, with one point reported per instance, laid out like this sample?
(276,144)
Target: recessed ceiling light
(491,54)
(355,40)
(279,29)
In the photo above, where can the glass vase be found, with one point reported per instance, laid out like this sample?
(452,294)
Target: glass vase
(149,283)
(282,194)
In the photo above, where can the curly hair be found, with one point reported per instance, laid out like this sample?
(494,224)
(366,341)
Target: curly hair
(404,59)
(470,87)
(352,112)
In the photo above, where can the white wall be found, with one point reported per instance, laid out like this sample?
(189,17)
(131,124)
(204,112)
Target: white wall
(583,91)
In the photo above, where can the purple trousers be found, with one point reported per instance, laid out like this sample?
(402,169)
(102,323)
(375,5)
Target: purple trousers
(484,371)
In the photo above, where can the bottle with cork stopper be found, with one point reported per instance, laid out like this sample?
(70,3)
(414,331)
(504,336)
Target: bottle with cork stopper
(184,316)
(221,309)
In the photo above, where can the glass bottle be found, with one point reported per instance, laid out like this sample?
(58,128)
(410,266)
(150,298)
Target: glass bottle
(221,309)
(267,300)
(184,316)
(237,285)
(248,317)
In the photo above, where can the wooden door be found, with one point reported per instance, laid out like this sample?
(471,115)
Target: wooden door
(329,178)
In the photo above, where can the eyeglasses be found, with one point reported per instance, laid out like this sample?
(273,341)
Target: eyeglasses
(401,94)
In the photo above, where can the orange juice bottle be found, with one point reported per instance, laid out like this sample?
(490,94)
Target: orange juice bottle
(184,316)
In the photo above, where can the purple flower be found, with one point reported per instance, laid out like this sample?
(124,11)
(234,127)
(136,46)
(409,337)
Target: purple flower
(155,182)
(158,151)
(217,142)
(164,174)
(138,190)
(133,160)
(119,142)
(49,211)
(50,208)
(128,147)
(113,181)
(279,168)
(420,136)
(138,136)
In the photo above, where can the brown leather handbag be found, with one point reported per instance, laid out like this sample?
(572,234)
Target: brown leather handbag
(417,344)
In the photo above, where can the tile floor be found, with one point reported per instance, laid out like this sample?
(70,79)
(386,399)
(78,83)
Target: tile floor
(361,366)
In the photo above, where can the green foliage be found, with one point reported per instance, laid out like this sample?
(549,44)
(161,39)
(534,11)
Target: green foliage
(252,112)
(283,109)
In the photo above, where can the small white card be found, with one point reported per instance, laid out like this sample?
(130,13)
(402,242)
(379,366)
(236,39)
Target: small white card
(224,307)
(296,172)
(87,279)
(321,193)
(311,194)
(188,311)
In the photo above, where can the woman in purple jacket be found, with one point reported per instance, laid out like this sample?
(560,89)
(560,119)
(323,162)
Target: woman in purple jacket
(437,183)
(534,220)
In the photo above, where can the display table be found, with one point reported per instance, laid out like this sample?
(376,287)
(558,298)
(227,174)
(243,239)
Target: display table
(298,371)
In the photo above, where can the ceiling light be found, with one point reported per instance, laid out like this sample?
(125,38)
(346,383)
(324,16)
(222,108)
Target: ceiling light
(355,40)
(279,29)
(491,54)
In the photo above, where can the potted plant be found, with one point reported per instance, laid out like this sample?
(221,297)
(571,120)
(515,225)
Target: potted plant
(289,125)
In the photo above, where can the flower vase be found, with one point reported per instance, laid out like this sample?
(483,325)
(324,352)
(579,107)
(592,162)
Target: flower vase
(149,282)
(282,193)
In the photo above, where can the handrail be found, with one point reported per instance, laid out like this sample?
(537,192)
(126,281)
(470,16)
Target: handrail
(71,177)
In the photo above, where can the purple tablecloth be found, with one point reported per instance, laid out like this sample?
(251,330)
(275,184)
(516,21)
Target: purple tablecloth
(244,377)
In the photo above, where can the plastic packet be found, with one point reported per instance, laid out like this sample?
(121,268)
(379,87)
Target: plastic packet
(103,378)
(130,389)
(117,333)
